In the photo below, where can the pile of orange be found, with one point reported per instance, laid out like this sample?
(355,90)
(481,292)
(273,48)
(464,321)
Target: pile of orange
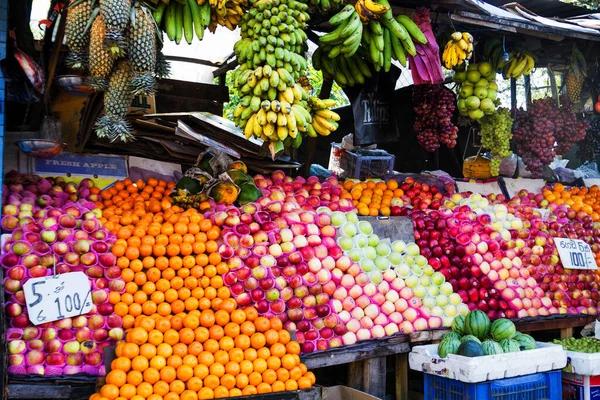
(578,198)
(373,198)
(185,336)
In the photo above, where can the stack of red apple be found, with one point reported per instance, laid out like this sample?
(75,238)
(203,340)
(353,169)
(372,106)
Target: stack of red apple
(45,241)
(477,261)
(571,291)
(276,252)
(309,193)
(418,196)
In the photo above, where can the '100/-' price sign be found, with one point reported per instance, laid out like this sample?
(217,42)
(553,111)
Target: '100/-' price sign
(575,254)
(55,297)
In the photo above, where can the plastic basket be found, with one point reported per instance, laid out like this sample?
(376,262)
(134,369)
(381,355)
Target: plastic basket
(361,166)
(540,386)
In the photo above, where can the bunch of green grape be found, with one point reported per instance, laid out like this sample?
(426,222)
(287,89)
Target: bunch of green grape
(496,134)
(581,345)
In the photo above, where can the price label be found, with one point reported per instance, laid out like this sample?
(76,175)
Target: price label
(544,212)
(575,254)
(51,298)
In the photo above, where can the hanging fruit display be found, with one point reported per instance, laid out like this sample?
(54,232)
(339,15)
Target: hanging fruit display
(365,34)
(575,78)
(511,62)
(274,107)
(458,50)
(122,56)
(496,133)
(434,106)
(477,93)
(545,130)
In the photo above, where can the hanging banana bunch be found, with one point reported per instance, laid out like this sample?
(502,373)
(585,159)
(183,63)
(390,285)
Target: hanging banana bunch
(458,50)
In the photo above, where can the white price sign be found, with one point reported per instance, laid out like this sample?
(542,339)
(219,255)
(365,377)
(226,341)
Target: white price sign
(55,297)
(575,254)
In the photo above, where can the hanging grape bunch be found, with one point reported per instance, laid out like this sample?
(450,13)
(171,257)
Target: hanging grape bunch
(569,128)
(589,148)
(496,134)
(434,106)
(545,130)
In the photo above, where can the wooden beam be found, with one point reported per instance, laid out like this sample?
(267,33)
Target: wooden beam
(374,376)
(194,61)
(401,364)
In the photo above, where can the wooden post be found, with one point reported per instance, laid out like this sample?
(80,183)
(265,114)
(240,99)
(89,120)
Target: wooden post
(355,375)
(401,363)
(374,376)
(311,144)
(527,79)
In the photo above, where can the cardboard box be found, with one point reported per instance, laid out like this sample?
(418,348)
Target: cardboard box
(345,393)
(580,387)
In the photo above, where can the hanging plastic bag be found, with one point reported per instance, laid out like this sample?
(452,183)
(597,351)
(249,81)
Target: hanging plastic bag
(373,109)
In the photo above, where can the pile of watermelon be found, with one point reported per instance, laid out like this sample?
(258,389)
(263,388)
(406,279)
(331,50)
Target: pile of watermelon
(473,336)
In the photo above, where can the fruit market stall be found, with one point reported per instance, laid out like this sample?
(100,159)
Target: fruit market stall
(245,278)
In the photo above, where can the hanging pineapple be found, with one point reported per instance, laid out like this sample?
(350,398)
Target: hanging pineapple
(113,125)
(142,51)
(575,78)
(77,35)
(100,60)
(116,14)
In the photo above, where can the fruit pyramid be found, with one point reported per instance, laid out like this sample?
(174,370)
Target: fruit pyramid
(186,337)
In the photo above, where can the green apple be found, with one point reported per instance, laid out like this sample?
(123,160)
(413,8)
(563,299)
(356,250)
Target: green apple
(399,246)
(441,300)
(418,271)
(492,94)
(412,249)
(370,253)
(355,254)
(465,91)
(395,258)
(428,270)
(485,68)
(349,229)
(365,228)
(481,93)
(461,104)
(383,249)
(473,103)
(375,277)
(487,105)
(337,219)
(429,302)
(473,76)
(460,76)
(367,265)
(473,67)
(493,86)
(352,217)
(361,241)
(433,290)
(450,310)
(420,261)
(346,243)
(438,279)
(446,288)
(373,240)
(476,114)
(424,280)
(482,83)
(403,270)
(420,291)
(382,263)
(437,311)
(454,299)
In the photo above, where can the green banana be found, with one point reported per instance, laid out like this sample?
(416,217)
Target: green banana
(387,51)
(188,23)
(344,14)
(170,20)
(398,50)
(375,27)
(159,12)
(205,15)
(334,36)
(412,28)
(178,23)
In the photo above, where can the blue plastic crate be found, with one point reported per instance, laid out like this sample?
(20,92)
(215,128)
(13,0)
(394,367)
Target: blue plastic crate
(540,386)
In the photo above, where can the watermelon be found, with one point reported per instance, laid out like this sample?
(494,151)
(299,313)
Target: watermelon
(470,337)
(477,324)
(490,348)
(510,346)
(451,335)
(448,346)
(470,348)
(525,342)
(502,329)
(458,325)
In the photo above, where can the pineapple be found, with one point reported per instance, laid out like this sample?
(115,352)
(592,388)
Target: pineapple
(100,60)
(575,78)
(116,14)
(142,52)
(117,100)
(77,36)
(163,69)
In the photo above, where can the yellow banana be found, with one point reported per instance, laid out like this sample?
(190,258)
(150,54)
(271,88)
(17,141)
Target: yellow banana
(456,36)
(321,130)
(269,129)
(375,8)
(249,128)
(282,132)
(324,122)
(328,114)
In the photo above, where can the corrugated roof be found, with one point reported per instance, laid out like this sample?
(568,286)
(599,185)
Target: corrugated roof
(547,8)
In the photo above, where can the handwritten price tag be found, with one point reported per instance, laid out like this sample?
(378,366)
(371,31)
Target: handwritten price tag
(51,298)
(575,254)
(544,213)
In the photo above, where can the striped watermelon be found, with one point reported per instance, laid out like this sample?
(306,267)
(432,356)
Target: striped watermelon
(458,325)
(470,348)
(510,346)
(477,324)
(490,348)
(451,335)
(448,346)
(470,337)
(525,342)
(502,329)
